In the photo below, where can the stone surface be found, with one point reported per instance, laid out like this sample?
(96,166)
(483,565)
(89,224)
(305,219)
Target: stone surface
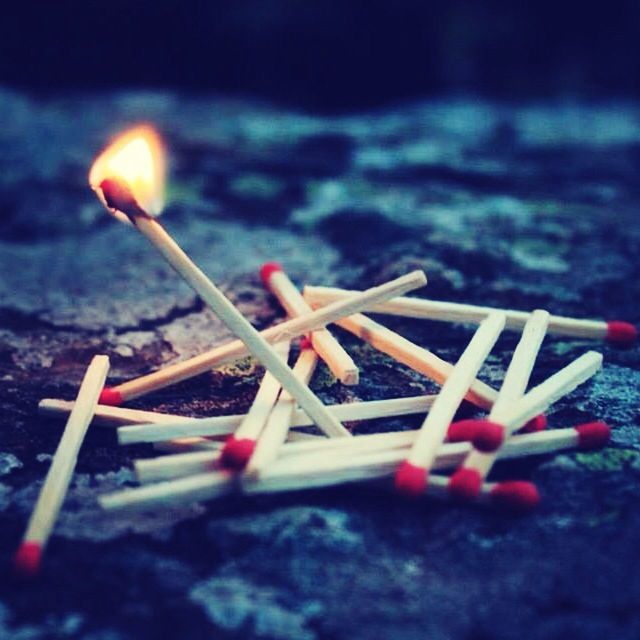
(526,207)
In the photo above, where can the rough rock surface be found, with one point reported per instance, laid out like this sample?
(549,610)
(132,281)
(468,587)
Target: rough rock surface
(527,207)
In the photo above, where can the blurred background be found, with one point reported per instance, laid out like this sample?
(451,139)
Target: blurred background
(334,55)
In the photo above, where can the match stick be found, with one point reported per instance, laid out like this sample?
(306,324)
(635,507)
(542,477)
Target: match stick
(219,425)
(287,330)
(476,466)
(29,555)
(275,432)
(293,472)
(413,356)
(327,347)
(198,459)
(615,331)
(411,477)
(119,197)
(239,447)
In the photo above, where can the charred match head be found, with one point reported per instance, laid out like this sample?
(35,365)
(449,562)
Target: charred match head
(119,197)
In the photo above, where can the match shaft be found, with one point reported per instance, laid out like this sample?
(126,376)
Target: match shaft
(60,472)
(463,313)
(327,347)
(237,323)
(410,354)
(287,330)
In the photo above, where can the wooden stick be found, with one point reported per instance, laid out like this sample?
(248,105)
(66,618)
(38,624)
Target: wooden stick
(275,432)
(413,356)
(327,347)
(219,425)
(294,472)
(28,557)
(412,474)
(536,401)
(116,192)
(240,446)
(287,330)
(615,331)
(467,481)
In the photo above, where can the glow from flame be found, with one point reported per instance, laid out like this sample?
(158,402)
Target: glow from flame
(137,157)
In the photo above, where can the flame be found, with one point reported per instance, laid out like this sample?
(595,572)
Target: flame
(137,157)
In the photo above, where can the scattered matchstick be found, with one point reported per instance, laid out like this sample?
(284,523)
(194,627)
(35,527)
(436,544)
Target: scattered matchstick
(29,555)
(327,347)
(275,431)
(615,331)
(299,472)
(239,447)
(220,425)
(412,474)
(466,481)
(231,351)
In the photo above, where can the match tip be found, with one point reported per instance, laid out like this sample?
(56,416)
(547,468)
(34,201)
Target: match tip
(539,423)
(462,430)
(305,343)
(516,495)
(26,561)
(411,480)
(593,435)
(488,437)
(111,397)
(619,332)
(267,270)
(236,453)
(465,484)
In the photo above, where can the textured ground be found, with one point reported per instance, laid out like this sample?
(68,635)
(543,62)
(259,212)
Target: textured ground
(527,207)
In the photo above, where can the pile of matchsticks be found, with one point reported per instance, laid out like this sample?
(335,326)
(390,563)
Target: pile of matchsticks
(266,451)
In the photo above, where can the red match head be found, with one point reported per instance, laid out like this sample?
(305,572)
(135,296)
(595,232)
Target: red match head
(515,495)
(236,453)
(411,480)
(539,423)
(489,436)
(27,560)
(462,430)
(305,343)
(593,435)
(621,333)
(267,270)
(111,397)
(465,484)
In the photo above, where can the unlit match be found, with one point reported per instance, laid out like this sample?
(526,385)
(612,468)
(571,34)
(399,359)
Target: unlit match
(29,555)
(615,331)
(284,331)
(325,344)
(293,472)
(412,474)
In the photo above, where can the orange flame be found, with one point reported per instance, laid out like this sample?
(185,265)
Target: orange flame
(137,157)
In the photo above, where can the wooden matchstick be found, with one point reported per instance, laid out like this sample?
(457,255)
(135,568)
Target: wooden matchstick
(614,331)
(287,330)
(29,555)
(410,354)
(239,447)
(468,481)
(411,476)
(327,347)
(477,464)
(302,471)
(220,425)
(119,197)
(275,432)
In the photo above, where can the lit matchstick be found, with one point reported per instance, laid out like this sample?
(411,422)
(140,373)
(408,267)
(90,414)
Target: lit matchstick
(29,555)
(129,178)
(411,477)
(614,331)
(327,347)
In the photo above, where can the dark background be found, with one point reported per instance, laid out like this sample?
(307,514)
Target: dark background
(330,55)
